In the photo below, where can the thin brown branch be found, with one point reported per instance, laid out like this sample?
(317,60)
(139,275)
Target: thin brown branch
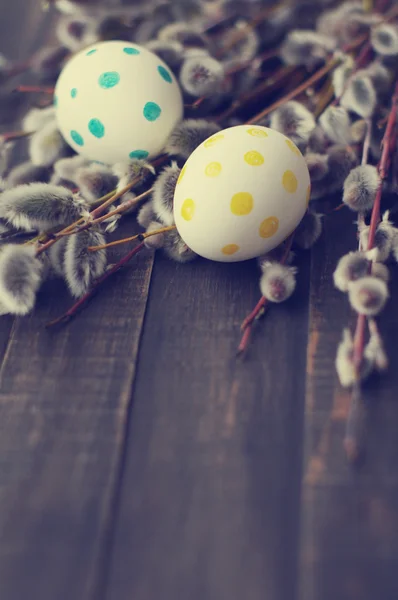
(133,238)
(330,65)
(98,211)
(261,305)
(35,89)
(359,339)
(73,310)
(15,135)
(269,85)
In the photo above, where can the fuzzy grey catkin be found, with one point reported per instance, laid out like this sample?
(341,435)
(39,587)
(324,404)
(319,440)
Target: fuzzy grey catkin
(37,118)
(384,39)
(360,188)
(309,230)
(278,281)
(20,278)
(95,181)
(82,267)
(336,124)
(351,266)
(294,120)
(306,47)
(341,75)
(27,172)
(155,242)
(66,168)
(344,363)
(187,35)
(163,194)
(40,206)
(341,159)
(47,145)
(383,240)
(175,248)
(360,96)
(188,135)
(146,215)
(368,295)
(171,52)
(380,76)
(202,76)
(317,165)
(241,44)
(127,172)
(56,255)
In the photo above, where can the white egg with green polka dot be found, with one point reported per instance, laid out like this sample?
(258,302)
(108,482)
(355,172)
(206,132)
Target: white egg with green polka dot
(241,193)
(116,101)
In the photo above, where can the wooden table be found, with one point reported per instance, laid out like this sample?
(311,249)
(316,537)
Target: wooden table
(139,459)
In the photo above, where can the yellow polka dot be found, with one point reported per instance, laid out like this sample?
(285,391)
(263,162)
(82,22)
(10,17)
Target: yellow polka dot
(269,227)
(213,140)
(289,181)
(255,132)
(188,209)
(183,171)
(242,204)
(230,249)
(254,158)
(308,194)
(213,169)
(293,147)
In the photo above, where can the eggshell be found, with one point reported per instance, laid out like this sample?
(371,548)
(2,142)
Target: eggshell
(241,193)
(116,101)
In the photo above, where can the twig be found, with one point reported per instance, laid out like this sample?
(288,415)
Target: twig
(15,135)
(125,206)
(35,89)
(98,211)
(74,227)
(359,339)
(138,236)
(84,299)
(261,305)
(298,90)
(269,85)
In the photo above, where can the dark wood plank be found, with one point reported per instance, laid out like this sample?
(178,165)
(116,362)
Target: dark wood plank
(210,491)
(349,542)
(64,400)
(20,31)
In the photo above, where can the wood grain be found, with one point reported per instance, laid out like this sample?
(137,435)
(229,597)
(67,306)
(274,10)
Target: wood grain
(349,518)
(64,399)
(209,505)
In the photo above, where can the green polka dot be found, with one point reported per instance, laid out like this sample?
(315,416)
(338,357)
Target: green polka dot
(140,154)
(55,101)
(73,93)
(131,51)
(152,111)
(90,52)
(77,138)
(164,74)
(109,79)
(96,128)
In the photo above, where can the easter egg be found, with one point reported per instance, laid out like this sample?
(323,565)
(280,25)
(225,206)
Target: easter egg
(241,193)
(116,101)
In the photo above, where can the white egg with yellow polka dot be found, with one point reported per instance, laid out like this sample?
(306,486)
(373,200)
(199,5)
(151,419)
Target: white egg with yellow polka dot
(116,101)
(241,193)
